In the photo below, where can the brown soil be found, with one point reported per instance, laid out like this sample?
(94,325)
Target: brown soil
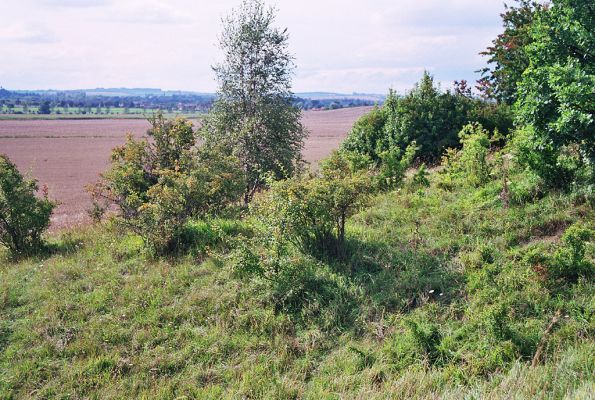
(66,155)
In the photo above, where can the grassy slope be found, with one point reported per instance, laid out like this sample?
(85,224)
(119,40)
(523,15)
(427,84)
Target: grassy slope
(98,319)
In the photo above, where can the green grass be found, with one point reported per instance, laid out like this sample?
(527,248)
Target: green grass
(60,113)
(438,298)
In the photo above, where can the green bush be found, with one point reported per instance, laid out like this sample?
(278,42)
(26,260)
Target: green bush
(555,94)
(470,165)
(161,184)
(311,211)
(428,116)
(367,134)
(571,260)
(394,164)
(23,216)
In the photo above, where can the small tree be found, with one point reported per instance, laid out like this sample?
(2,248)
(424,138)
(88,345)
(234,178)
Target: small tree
(469,165)
(23,216)
(160,184)
(507,57)
(254,116)
(311,211)
(555,95)
(45,108)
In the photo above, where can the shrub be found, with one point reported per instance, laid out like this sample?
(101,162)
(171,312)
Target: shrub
(311,211)
(394,165)
(570,261)
(160,184)
(420,178)
(367,134)
(468,166)
(23,217)
(556,166)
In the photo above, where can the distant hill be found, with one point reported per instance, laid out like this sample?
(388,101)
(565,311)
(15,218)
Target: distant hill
(126,100)
(354,96)
(145,92)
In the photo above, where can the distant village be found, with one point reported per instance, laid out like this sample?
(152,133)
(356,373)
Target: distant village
(140,101)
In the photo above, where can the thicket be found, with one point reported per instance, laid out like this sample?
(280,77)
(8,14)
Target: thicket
(23,216)
(556,102)
(162,183)
(427,116)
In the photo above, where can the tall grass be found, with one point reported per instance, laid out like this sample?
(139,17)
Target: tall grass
(439,297)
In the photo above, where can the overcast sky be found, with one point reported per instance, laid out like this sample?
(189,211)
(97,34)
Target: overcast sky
(341,46)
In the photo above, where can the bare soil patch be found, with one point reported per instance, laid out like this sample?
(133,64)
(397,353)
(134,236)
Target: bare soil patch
(66,155)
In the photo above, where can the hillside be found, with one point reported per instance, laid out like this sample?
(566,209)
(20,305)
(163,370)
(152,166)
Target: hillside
(441,296)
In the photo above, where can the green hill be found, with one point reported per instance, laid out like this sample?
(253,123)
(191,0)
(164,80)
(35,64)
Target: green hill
(444,294)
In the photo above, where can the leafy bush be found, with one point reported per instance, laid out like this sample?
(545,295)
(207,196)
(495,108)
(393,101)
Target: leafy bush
(570,261)
(394,164)
(556,166)
(311,211)
(367,135)
(160,184)
(23,217)
(468,166)
(426,115)
(420,178)
(555,95)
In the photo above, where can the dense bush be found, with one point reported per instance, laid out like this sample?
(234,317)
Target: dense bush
(160,184)
(571,260)
(23,216)
(311,211)
(469,165)
(367,135)
(394,164)
(555,95)
(427,116)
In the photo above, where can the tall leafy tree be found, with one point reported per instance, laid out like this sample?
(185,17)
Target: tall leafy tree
(254,116)
(556,96)
(507,58)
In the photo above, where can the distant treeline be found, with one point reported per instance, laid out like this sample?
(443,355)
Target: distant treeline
(130,101)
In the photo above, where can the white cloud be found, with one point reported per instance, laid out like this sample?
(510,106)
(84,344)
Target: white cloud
(146,12)
(28,34)
(75,3)
(363,46)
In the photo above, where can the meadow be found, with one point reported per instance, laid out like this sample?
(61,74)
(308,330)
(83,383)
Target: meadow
(441,246)
(440,297)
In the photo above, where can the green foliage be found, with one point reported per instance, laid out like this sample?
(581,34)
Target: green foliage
(427,116)
(394,164)
(555,96)
(160,184)
(468,166)
(45,108)
(572,260)
(438,297)
(367,135)
(23,216)
(507,57)
(253,116)
(420,178)
(311,211)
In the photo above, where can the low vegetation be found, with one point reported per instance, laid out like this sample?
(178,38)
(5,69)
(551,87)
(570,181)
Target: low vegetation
(227,276)
(23,217)
(439,292)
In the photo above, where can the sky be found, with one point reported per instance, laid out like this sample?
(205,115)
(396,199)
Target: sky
(364,46)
